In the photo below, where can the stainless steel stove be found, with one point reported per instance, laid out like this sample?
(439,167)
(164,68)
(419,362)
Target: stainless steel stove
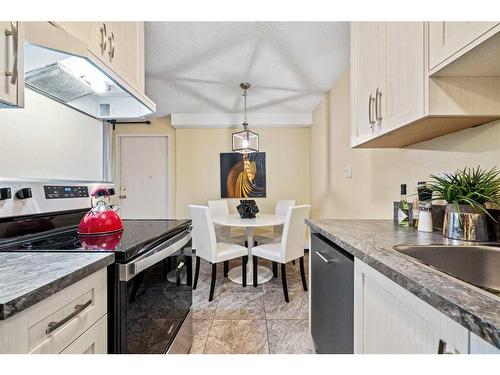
(150,283)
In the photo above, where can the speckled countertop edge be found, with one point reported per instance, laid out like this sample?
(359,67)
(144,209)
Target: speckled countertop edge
(472,308)
(79,266)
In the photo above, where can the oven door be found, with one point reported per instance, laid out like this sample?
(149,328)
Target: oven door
(155,298)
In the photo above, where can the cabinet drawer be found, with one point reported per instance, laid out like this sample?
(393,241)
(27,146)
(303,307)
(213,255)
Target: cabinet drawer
(92,341)
(54,323)
(88,296)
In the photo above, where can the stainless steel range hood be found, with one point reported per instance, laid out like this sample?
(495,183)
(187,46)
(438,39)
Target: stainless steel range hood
(60,66)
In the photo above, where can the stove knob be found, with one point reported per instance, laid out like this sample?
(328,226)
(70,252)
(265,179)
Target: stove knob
(23,193)
(5,194)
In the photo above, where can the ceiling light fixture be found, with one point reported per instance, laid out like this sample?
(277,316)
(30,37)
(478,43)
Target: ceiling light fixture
(245,141)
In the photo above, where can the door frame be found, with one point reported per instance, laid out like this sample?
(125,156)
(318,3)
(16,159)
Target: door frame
(117,171)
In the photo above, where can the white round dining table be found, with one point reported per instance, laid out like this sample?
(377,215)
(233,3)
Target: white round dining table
(261,220)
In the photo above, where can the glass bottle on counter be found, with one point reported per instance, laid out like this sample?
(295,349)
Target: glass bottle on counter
(416,203)
(403,212)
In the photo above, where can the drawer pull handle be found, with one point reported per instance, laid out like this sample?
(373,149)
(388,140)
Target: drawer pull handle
(329,261)
(78,309)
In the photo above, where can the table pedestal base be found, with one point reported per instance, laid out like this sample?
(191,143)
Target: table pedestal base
(264,275)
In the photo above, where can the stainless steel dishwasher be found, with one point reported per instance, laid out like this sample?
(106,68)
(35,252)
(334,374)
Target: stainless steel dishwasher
(332,297)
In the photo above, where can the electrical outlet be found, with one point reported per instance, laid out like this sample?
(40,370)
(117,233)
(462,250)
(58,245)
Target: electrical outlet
(347,171)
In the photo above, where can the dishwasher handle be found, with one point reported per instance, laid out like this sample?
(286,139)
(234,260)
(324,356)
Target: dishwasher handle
(329,261)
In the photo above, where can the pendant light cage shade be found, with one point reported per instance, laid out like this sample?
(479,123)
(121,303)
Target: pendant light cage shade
(245,142)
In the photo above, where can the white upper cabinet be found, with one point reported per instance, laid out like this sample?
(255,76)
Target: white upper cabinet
(387,77)
(448,38)
(397,101)
(401,89)
(81,30)
(126,54)
(11,64)
(120,45)
(364,79)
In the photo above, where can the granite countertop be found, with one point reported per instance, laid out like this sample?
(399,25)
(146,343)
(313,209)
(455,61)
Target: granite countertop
(28,278)
(372,242)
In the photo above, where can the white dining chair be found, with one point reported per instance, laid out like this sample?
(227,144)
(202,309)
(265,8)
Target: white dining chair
(274,235)
(290,248)
(220,208)
(206,246)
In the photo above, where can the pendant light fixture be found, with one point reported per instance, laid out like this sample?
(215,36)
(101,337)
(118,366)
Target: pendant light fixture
(245,141)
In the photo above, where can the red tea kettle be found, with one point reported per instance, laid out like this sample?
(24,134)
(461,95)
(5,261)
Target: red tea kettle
(101,219)
(101,242)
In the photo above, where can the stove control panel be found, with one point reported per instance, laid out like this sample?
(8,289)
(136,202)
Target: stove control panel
(61,192)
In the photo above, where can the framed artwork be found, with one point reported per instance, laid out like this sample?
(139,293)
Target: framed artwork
(243,175)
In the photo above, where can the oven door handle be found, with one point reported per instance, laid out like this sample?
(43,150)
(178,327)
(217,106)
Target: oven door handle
(155,255)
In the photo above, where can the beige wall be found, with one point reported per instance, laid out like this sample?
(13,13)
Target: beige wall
(198,165)
(194,165)
(158,126)
(377,174)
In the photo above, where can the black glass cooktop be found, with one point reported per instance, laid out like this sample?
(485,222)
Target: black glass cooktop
(137,236)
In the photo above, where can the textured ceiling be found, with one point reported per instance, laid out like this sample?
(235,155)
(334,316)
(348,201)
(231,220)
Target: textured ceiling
(196,67)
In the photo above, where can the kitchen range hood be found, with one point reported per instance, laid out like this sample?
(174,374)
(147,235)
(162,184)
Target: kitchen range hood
(60,66)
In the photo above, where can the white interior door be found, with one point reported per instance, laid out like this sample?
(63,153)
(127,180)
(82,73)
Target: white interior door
(143,177)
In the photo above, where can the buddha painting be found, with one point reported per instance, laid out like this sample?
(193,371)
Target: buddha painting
(243,175)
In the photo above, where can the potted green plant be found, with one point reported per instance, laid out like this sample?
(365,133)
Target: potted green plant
(466,192)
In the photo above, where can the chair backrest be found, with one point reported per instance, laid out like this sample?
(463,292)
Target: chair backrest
(204,240)
(292,239)
(218,208)
(281,208)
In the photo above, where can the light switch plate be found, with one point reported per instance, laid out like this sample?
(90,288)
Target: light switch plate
(347,171)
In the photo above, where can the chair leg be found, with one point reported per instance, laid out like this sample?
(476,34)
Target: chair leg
(283,279)
(189,270)
(244,261)
(226,267)
(275,269)
(196,272)
(255,265)
(212,283)
(303,274)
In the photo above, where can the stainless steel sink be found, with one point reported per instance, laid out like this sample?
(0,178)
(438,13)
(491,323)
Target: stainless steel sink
(477,265)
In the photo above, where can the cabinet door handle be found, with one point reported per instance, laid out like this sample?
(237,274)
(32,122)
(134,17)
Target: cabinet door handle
(104,34)
(111,46)
(329,261)
(78,309)
(371,101)
(442,347)
(378,106)
(13,32)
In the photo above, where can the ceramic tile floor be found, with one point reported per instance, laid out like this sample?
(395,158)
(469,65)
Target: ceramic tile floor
(251,320)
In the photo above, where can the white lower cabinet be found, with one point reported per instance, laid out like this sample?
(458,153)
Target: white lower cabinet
(92,341)
(389,319)
(479,346)
(71,320)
